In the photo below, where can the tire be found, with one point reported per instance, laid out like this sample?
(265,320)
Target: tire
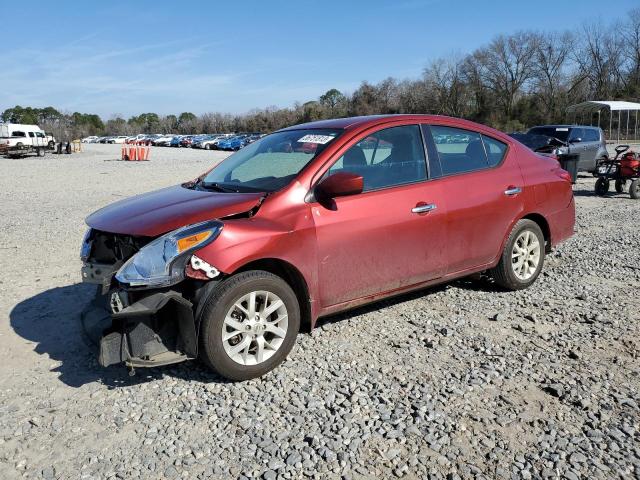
(504,274)
(207,147)
(634,189)
(39,152)
(602,186)
(221,305)
(620,185)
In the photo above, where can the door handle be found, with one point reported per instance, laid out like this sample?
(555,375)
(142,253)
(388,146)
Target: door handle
(427,207)
(512,191)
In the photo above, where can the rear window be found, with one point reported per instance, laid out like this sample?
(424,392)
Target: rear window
(459,150)
(17,133)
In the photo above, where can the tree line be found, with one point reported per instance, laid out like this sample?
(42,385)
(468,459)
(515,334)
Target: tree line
(513,82)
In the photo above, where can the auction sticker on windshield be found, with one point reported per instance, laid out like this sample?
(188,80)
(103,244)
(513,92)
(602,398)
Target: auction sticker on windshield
(320,139)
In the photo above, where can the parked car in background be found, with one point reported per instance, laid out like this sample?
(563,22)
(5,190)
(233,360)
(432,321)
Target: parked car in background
(162,141)
(136,138)
(175,141)
(232,265)
(252,138)
(233,143)
(89,139)
(204,141)
(541,143)
(186,141)
(586,141)
(117,139)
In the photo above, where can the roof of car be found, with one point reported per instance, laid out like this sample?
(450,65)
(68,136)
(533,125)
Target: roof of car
(349,122)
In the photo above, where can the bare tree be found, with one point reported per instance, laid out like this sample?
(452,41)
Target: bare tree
(552,52)
(446,79)
(630,35)
(598,55)
(506,65)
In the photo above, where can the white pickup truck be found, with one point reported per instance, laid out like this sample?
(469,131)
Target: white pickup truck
(18,140)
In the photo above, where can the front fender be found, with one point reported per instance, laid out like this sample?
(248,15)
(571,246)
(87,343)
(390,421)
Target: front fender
(247,240)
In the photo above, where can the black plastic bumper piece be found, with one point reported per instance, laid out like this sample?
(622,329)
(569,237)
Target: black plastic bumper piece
(160,326)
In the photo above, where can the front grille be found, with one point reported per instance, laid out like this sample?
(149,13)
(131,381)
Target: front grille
(110,248)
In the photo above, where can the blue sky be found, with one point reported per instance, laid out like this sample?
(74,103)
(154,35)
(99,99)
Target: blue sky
(131,57)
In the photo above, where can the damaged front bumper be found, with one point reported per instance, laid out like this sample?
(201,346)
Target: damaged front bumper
(158,329)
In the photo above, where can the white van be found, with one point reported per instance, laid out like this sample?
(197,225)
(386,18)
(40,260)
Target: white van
(19,139)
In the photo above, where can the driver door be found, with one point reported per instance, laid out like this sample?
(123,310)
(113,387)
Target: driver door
(391,235)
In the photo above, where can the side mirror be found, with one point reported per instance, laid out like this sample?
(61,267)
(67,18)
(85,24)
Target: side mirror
(340,184)
(575,140)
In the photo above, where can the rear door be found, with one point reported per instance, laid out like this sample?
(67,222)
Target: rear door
(592,143)
(483,194)
(578,146)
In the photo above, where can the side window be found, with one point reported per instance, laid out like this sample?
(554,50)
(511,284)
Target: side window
(459,150)
(39,134)
(576,133)
(31,135)
(393,156)
(495,150)
(591,135)
(17,133)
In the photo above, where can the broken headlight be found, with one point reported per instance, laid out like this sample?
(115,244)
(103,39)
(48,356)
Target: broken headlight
(162,262)
(85,249)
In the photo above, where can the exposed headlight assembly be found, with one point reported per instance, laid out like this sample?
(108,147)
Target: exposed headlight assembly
(85,249)
(162,262)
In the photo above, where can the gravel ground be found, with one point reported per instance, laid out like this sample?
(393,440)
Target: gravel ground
(460,381)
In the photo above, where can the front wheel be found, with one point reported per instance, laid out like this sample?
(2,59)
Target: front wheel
(602,186)
(522,257)
(248,325)
(634,189)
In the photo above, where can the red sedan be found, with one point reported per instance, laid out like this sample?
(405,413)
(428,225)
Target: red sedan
(231,266)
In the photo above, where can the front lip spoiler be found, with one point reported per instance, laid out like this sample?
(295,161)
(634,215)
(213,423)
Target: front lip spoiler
(156,330)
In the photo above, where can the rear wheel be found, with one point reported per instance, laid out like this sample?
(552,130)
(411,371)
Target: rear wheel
(602,186)
(249,325)
(39,152)
(634,189)
(207,147)
(522,257)
(620,185)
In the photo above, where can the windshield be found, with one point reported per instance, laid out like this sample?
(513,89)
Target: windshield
(561,133)
(270,163)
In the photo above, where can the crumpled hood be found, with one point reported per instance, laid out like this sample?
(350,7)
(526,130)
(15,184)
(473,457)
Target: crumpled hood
(154,213)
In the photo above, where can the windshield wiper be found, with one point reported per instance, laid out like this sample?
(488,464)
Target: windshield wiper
(218,187)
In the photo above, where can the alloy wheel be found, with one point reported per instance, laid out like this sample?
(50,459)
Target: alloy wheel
(255,327)
(525,255)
